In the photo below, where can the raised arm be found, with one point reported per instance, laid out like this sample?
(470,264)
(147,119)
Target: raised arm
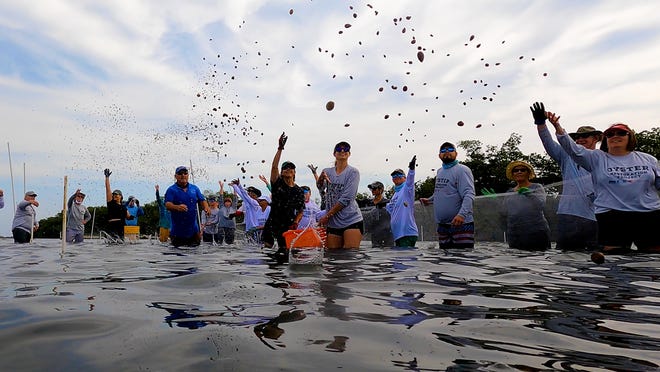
(108,190)
(274,168)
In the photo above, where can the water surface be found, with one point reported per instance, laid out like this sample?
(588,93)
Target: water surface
(153,307)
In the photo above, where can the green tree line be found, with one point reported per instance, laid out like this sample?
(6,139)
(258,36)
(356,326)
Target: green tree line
(487,162)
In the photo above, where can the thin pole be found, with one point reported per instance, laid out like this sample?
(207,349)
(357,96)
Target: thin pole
(91,233)
(24,184)
(64,208)
(199,215)
(11,173)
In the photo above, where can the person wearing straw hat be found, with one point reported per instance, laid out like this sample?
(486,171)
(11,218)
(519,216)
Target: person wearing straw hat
(577,228)
(183,199)
(402,207)
(117,212)
(453,201)
(76,217)
(626,183)
(25,219)
(526,225)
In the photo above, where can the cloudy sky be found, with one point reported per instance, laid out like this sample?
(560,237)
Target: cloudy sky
(142,87)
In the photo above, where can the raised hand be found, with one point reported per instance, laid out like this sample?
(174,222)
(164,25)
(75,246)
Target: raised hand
(282,141)
(312,167)
(538,112)
(411,165)
(107,172)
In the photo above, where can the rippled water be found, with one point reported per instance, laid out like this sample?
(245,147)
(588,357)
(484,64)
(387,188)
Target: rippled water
(152,307)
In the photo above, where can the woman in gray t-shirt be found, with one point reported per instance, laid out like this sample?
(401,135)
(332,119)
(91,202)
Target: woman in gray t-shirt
(343,217)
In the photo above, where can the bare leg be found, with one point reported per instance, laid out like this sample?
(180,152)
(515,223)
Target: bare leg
(352,238)
(335,241)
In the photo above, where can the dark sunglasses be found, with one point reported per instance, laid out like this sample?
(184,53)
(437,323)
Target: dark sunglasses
(397,176)
(581,135)
(519,170)
(181,173)
(618,133)
(342,149)
(447,149)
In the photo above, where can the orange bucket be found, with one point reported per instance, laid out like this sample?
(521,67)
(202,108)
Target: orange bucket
(302,238)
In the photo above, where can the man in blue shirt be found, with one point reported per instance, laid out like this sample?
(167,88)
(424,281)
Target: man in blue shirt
(182,199)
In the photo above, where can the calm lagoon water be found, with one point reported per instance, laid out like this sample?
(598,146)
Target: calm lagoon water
(148,306)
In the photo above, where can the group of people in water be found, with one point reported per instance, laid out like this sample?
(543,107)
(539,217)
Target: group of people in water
(609,200)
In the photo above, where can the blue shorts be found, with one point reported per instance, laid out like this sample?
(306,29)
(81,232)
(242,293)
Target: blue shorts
(461,236)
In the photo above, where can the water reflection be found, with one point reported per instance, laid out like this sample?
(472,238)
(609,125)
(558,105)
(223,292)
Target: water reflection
(380,309)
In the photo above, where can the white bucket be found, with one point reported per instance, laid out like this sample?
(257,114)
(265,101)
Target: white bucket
(306,256)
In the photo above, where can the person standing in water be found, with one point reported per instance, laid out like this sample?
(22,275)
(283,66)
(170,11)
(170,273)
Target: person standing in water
(378,219)
(76,217)
(526,225)
(183,199)
(453,201)
(287,200)
(25,219)
(402,207)
(577,228)
(164,218)
(626,183)
(343,217)
(226,223)
(117,212)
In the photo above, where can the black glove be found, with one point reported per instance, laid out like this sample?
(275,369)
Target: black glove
(411,165)
(107,172)
(282,141)
(130,218)
(538,112)
(231,215)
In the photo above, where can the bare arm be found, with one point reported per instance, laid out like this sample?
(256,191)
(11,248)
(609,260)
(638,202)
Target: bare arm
(108,191)
(274,168)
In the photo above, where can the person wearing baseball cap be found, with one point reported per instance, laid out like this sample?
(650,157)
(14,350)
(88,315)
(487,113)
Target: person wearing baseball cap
(76,218)
(117,211)
(626,184)
(377,220)
(286,204)
(25,219)
(343,218)
(183,199)
(577,228)
(453,200)
(402,207)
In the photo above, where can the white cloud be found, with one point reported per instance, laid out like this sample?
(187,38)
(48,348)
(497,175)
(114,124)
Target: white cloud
(90,84)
